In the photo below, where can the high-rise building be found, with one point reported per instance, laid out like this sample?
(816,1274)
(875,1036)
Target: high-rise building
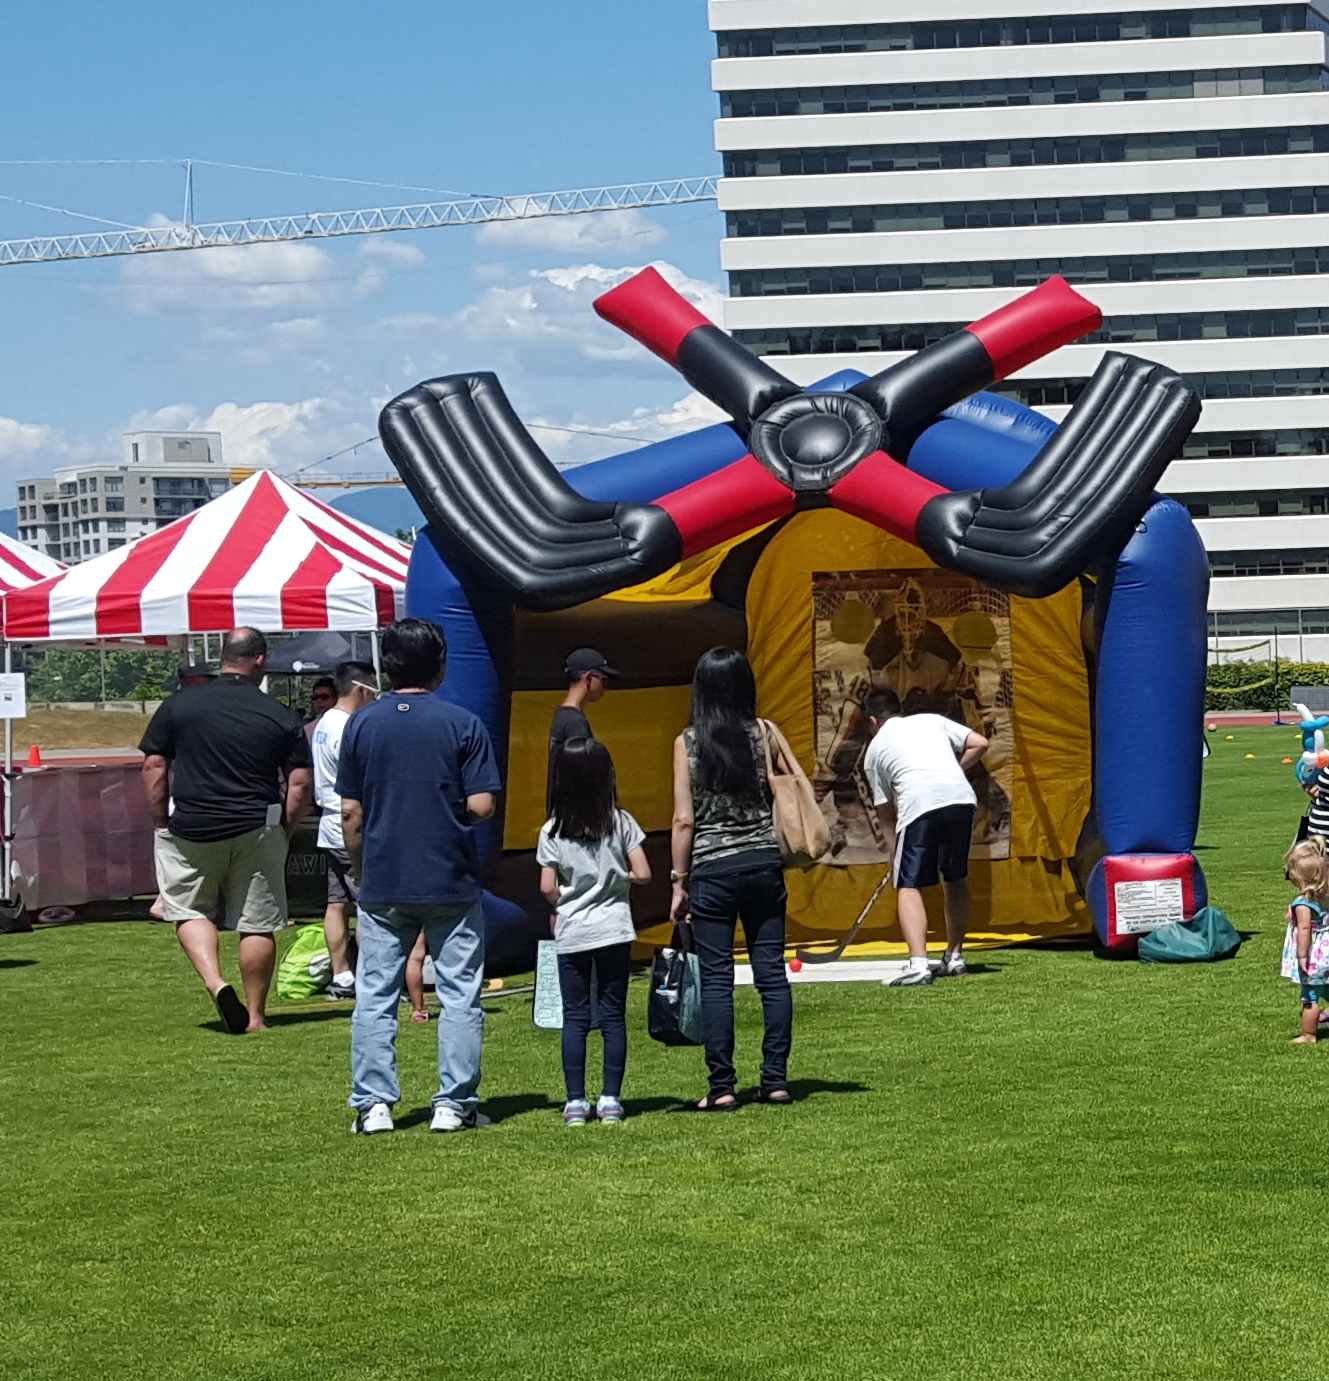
(89,509)
(894,169)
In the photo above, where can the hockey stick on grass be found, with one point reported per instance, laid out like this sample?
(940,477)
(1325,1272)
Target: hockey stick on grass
(813,957)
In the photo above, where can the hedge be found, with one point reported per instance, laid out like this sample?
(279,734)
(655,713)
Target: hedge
(1250,685)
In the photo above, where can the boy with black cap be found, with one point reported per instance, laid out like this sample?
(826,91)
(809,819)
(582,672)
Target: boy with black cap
(588,674)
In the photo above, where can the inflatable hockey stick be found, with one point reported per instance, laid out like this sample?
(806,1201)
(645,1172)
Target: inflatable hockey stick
(809,956)
(496,503)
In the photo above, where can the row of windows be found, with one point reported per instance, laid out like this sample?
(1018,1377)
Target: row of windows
(1264,504)
(1259,623)
(1028,273)
(1026,153)
(1296,561)
(1116,330)
(997,215)
(1001,33)
(1247,383)
(1289,441)
(1022,91)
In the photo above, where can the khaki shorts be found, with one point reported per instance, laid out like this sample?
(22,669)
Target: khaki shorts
(247,872)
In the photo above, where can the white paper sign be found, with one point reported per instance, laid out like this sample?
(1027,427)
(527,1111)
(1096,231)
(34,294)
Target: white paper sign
(1144,906)
(13,695)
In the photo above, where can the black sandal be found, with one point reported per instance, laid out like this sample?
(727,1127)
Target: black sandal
(233,1012)
(711,1104)
(777,1094)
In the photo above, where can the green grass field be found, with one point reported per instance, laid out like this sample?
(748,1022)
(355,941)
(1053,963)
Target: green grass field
(1058,1168)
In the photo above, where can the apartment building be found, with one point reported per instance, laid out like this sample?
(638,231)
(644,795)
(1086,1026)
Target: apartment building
(84,510)
(894,169)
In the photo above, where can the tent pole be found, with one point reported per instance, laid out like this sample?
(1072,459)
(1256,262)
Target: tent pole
(8,851)
(373,649)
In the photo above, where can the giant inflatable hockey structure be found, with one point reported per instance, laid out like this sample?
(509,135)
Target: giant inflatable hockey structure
(814,528)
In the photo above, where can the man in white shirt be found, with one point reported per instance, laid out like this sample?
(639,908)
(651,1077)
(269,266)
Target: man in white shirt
(916,767)
(356,685)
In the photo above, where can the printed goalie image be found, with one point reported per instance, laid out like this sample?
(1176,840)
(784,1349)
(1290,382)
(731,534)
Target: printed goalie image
(942,642)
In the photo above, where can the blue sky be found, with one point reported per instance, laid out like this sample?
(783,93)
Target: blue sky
(290,350)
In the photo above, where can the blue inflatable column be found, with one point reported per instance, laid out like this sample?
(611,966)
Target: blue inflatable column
(1149,725)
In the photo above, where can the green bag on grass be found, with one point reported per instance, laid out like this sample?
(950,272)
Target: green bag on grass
(1207,935)
(305,968)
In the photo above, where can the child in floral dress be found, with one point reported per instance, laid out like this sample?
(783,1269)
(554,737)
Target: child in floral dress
(1306,948)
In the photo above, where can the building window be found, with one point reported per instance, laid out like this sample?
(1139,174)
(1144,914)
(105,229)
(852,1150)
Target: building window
(115,525)
(94,505)
(981,215)
(142,479)
(92,485)
(1251,383)
(833,340)
(96,544)
(928,35)
(82,486)
(114,505)
(133,452)
(114,542)
(83,505)
(113,484)
(1134,268)
(1020,91)
(87,548)
(1295,561)
(1262,504)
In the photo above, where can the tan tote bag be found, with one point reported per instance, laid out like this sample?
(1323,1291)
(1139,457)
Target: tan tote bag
(800,827)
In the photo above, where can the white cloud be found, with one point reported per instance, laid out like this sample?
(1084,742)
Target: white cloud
(391,251)
(24,438)
(268,434)
(580,439)
(259,280)
(544,322)
(627,231)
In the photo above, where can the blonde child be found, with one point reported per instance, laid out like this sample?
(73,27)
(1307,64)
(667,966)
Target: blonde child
(415,980)
(1306,948)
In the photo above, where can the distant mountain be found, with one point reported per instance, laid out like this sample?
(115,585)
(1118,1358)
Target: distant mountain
(9,521)
(386,509)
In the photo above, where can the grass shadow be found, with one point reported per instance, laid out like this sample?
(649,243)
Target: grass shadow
(511,1105)
(17,963)
(334,1011)
(808,1088)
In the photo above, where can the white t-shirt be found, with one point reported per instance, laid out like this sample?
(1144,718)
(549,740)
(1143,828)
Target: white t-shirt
(593,885)
(913,761)
(325,749)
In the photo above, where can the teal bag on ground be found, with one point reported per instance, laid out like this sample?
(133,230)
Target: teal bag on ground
(1207,935)
(306,968)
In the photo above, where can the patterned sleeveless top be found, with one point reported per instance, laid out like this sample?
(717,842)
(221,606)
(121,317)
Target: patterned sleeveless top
(725,826)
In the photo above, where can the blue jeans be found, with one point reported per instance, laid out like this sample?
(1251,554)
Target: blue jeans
(757,896)
(611,965)
(456,939)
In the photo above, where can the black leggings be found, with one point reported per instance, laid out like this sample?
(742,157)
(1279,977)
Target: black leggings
(610,965)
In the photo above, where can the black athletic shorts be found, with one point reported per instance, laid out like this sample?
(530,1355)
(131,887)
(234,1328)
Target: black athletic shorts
(342,886)
(936,843)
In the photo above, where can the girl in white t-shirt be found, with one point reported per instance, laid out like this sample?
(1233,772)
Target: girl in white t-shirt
(590,854)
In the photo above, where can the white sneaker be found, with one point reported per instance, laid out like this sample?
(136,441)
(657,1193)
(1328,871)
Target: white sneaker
(952,966)
(377,1119)
(911,978)
(446,1119)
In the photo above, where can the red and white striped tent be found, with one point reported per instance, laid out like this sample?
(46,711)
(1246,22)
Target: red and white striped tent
(262,554)
(21,565)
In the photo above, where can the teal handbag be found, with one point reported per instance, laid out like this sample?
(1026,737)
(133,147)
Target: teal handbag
(1207,935)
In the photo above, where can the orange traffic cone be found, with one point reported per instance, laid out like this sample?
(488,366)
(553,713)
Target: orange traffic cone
(35,756)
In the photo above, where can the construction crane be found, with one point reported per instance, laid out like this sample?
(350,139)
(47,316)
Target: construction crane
(377,220)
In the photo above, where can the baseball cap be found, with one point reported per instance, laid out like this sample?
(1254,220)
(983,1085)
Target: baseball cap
(188,671)
(586,659)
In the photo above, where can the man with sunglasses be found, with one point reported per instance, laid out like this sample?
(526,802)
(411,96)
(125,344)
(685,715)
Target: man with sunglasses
(356,686)
(588,674)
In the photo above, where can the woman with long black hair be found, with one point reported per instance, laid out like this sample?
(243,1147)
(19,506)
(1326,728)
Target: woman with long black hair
(726,868)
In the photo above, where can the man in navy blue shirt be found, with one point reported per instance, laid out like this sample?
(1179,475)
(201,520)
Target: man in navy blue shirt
(416,774)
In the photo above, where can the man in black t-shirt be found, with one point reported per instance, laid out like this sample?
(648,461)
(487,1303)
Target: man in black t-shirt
(588,674)
(224,822)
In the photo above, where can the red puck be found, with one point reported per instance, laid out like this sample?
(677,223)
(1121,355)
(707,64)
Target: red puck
(795,965)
